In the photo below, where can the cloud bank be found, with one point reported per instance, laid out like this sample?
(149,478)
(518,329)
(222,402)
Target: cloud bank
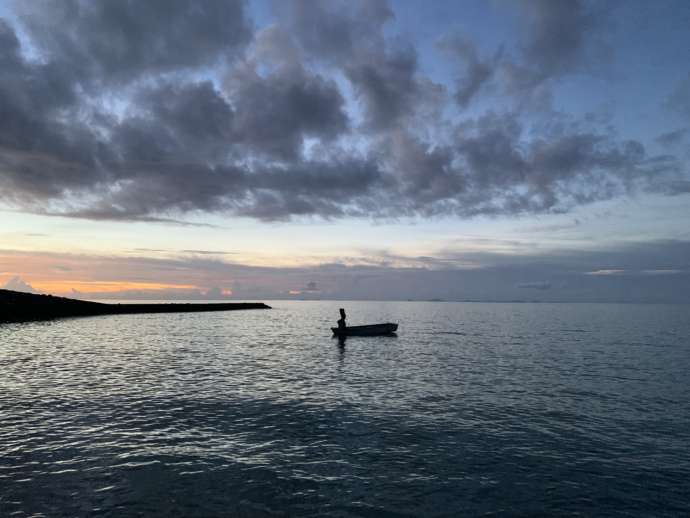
(131,111)
(657,271)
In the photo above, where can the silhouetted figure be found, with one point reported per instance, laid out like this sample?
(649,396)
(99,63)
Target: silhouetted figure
(341,323)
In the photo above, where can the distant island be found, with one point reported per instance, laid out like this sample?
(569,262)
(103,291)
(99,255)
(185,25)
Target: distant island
(16,306)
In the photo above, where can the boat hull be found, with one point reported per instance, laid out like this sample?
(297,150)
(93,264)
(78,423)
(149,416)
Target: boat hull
(370,330)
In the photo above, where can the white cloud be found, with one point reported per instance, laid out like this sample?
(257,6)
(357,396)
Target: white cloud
(18,284)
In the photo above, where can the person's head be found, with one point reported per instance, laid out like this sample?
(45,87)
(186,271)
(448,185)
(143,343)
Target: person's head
(342,312)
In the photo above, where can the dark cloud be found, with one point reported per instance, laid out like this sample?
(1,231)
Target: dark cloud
(33,97)
(105,41)
(386,86)
(424,173)
(536,285)
(108,112)
(174,124)
(275,113)
(383,72)
(477,72)
(305,188)
(675,187)
(556,34)
(679,99)
(9,45)
(560,37)
(672,138)
(339,31)
(491,168)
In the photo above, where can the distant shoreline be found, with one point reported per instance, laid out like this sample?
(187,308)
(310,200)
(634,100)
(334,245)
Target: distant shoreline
(17,307)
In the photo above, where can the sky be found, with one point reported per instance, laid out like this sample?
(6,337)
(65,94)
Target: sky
(498,150)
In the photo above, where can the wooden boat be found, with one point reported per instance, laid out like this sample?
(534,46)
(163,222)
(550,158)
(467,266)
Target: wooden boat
(371,330)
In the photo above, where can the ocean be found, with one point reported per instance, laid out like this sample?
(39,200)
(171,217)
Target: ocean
(473,409)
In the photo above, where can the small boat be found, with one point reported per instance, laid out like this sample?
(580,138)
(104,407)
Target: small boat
(370,330)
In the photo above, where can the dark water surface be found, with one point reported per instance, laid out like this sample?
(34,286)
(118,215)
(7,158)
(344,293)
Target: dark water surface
(500,409)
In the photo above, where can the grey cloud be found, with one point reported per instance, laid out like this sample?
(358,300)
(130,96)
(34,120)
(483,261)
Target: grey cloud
(197,112)
(383,72)
(492,168)
(650,272)
(44,147)
(30,96)
(185,143)
(560,37)
(477,72)
(387,86)
(679,99)
(554,172)
(338,31)
(425,174)
(55,141)
(9,45)
(188,123)
(119,40)
(305,188)
(675,187)
(335,188)
(557,31)
(276,112)
(536,285)
(672,138)
(617,257)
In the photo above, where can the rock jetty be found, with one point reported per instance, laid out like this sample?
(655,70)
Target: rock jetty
(16,306)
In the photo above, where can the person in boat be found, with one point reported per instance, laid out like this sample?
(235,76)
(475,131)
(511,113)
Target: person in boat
(341,323)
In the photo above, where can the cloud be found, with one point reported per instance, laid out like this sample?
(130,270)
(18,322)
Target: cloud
(536,285)
(337,31)
(350,37)
(557,32)
(477,72)
(208,252)
(672,138)
(387,86)
(312,287)
(675,187)
(559,38)
(642,272)
(323,114)
(276,112)
(18,284)
(606,272)
(118,41)
(679,99)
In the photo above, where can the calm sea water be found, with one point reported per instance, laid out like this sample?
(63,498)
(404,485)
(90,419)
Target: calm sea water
(498,409)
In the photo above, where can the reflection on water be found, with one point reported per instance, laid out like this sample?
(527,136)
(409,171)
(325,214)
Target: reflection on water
(472,409)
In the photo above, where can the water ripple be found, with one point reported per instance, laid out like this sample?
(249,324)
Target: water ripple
(474,409)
